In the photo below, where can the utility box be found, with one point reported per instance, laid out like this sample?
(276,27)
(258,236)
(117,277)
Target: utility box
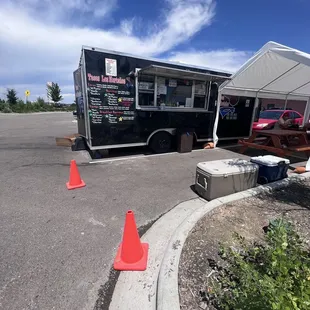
(220,178)
(185,140)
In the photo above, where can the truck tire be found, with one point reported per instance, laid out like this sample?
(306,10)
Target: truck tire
(161,142)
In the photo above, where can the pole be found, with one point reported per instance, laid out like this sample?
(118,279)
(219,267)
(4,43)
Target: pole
(285,102)
(218,105)
(208,98)
(256,104)
(307,113)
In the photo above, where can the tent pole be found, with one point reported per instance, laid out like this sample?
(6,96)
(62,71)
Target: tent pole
(307,113)
(254,112)
(285,102)
(218,105)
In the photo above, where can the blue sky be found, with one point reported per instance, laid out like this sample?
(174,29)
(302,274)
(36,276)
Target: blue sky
(40,40)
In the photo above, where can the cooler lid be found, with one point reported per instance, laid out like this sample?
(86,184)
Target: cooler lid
(269,160)
(227,166)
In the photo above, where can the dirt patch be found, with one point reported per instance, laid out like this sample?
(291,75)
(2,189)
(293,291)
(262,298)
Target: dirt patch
(247,217)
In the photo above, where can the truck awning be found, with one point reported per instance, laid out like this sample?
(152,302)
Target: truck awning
(182,74)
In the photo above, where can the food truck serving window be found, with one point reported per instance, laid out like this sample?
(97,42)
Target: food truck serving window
(174,92)
(174,88)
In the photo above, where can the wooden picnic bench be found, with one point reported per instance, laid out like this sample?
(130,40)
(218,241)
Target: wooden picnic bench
(280,142)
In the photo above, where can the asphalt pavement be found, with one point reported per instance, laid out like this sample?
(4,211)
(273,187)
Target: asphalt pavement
(57,246)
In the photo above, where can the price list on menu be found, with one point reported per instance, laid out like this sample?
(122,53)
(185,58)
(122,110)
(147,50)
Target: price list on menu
(111,100)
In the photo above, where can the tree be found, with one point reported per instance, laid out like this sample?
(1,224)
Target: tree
(11,96)
(53,92)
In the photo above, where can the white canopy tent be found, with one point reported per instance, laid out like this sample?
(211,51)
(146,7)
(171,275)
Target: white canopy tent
(275,71)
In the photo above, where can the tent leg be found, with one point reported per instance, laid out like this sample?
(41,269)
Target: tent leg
(307,113)
(285,105)
(218,105)
(254,113)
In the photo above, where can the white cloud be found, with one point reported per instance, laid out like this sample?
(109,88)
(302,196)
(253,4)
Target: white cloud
(182,20)
(226,59)
(127,26)
(36,48)
(60,10)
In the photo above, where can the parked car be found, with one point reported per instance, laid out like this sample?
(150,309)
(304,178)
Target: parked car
(268,118)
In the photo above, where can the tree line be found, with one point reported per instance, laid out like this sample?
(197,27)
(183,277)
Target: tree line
(14,104)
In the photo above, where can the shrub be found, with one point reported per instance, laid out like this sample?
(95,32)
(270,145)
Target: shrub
(29,107)
(50,108)
(36,107)
(6,109)
(274,275)
(19,107)
(39,105)
(40,101)
(2,105)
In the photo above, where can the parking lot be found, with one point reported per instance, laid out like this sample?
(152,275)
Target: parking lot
(57,246)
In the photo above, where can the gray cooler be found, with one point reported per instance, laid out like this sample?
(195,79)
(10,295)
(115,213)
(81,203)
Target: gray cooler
(224,177)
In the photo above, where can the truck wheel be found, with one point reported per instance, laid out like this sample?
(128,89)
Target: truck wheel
(161,142)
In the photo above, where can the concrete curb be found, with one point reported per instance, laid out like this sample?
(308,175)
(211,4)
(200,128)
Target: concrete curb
(137,290)
(167,284)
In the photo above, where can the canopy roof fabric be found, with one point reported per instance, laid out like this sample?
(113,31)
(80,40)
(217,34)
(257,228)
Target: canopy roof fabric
(275,71)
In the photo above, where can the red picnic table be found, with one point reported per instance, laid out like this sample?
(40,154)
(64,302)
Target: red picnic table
(278,141)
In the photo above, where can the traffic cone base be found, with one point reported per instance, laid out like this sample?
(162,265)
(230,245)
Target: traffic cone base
(137,266)
(82,184)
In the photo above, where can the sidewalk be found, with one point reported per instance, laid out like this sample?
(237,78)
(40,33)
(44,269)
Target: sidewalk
(137,290)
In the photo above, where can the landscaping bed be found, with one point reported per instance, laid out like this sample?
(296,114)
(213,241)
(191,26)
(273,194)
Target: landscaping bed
(248,218)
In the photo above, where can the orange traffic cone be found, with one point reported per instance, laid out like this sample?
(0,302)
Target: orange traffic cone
(131,254)
(75,180)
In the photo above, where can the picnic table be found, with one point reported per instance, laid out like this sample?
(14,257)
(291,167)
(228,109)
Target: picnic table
(280,142)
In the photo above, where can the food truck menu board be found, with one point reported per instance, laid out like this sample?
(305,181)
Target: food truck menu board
(110,98)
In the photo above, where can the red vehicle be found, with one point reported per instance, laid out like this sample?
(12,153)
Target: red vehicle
(268,118)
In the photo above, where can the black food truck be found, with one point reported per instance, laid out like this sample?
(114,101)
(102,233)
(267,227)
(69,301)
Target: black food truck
(127,101)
